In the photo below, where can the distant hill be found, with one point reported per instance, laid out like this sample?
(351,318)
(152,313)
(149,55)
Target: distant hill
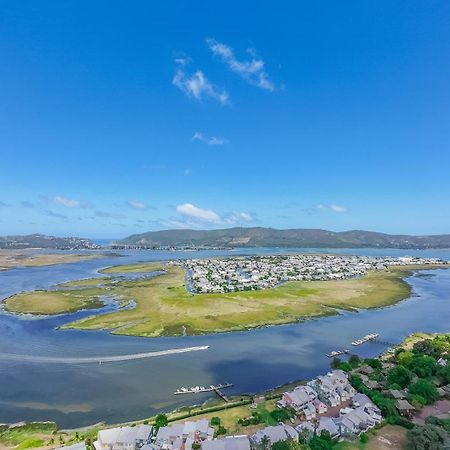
(43,241)
(271,237)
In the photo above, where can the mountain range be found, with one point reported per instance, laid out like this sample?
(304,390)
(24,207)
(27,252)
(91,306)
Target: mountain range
(44,241)
(271,237)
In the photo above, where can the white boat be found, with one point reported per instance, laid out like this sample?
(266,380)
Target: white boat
(366,338)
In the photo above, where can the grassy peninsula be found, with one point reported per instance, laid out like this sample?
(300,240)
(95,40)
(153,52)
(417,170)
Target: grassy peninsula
(165,307)
(10,259)
(54,302)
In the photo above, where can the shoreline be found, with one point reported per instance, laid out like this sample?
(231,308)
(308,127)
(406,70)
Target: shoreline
(396,289)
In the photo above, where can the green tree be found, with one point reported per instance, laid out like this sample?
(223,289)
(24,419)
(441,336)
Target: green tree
(374,363)
(401,376)
(335,363)
(221,431)
(425,389)
(363,438)
(354,361)
(161,421)
(426,347)
(264,443)
(215,421)
(345,366)
(444,373)
(428,437)
(423,366)
(322,442)
(417,401)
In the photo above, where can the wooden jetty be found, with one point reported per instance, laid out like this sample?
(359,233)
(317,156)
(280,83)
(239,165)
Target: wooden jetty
(200,389)
(366,338)
(335,353)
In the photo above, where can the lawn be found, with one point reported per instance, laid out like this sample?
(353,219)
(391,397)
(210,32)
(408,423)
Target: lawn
(29,435)
(165,307)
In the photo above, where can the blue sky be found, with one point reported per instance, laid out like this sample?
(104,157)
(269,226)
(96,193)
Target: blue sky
(119,118)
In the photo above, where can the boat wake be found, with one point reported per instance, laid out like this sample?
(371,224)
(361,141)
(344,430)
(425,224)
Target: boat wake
(98,359)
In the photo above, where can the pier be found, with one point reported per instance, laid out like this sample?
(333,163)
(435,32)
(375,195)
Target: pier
(200,389)
(367,338)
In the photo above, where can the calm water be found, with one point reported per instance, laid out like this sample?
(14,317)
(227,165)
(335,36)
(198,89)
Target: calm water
(76,395)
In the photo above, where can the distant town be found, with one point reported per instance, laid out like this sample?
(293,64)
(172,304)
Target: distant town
(262,272)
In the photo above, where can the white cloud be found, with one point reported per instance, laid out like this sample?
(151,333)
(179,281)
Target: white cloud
(195,217)
(334,208)
(251,70)
(68,202)
(190,210)
(212,140)
(136,204)
(196,85)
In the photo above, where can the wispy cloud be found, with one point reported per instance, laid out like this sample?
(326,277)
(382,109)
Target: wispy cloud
(68,202)
(236,218)
(26,204)
(210,140)
(3,204)
(334,208)
(108,215)
(50,213)
(196,85)
(136,204)
(251,70)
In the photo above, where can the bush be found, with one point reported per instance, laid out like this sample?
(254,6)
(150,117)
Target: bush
(427,437)
(345,366)
(374,363)
(280,415)
(417,401)
(425,389)
(215,421)
(363,438)
(354,361)
(401,376)
(423,366)
(335,363)
(426,347)
(221,430)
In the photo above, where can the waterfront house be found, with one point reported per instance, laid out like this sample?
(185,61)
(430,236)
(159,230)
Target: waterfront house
(184,434)
(309,411)
(405,408)
(227,443)
(321,408)
(123,438)
(273,434)
(299,397)
(324,424)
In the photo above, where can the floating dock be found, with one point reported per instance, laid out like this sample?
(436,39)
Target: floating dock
(200,389)
(367,338)
(335,353)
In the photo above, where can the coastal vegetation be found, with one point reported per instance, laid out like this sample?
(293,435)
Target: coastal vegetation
(165,307)
(246,414)
(56,302)
(10,259)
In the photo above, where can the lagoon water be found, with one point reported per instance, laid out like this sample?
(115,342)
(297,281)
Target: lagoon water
(77,395)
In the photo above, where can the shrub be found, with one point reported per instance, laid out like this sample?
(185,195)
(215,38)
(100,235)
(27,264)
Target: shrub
(215,421)
(401,376)
(363,438)
(425,389)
